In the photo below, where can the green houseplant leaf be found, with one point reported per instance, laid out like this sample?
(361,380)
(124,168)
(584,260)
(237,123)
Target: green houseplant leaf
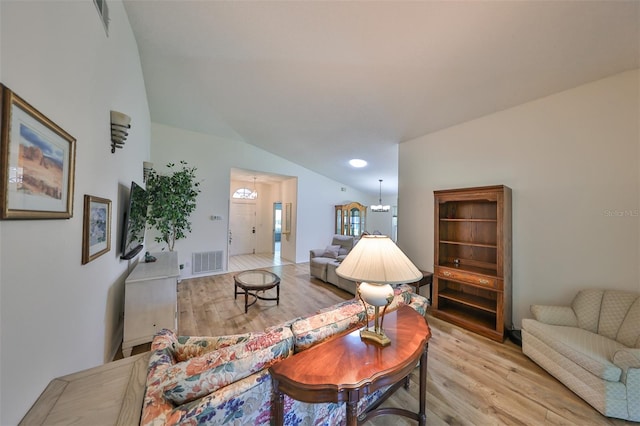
(172,199)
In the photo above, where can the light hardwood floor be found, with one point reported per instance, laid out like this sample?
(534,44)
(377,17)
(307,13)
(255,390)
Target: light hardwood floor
(471,380)
(242,262)
(206,306)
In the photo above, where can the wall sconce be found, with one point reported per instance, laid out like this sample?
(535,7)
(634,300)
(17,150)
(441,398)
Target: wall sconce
(119,127)
(147,166)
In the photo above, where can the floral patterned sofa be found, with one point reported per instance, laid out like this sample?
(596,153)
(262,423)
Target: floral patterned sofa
(592,347)
(225,379)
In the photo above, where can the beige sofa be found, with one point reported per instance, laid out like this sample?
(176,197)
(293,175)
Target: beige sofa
(323,262)
(592,347)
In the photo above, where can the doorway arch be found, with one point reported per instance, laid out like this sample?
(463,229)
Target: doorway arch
(270,190)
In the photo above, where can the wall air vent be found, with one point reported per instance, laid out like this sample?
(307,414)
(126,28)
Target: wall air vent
(103,11)
(208,261)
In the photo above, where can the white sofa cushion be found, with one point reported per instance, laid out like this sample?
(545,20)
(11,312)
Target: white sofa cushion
(331,251)
(344,241)
(609,398)
(586,305)
(555,315)
(322,260)
(626,359)
(629,332)
(591,351)
(614,309)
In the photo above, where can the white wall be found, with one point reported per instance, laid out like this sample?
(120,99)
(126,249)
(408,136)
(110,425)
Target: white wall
(57,315)
(572,162)
(313,196)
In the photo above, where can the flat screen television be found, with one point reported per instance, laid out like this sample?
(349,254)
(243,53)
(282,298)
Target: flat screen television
(135,221)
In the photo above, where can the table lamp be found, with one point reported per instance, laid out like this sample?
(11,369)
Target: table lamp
(375,262)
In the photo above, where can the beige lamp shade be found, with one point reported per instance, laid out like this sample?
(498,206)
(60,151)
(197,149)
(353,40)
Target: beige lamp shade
(377,259)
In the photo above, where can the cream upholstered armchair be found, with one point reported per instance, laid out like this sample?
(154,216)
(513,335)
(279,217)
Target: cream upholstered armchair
(592,347)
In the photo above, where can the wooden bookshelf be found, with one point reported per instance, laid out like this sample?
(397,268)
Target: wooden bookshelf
(472,259)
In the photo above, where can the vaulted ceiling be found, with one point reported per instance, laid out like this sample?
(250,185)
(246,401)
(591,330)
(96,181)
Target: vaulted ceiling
(321,82)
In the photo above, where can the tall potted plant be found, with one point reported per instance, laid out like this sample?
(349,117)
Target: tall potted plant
(172,199)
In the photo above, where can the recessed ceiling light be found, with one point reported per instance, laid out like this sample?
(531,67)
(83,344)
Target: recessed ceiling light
(356,162)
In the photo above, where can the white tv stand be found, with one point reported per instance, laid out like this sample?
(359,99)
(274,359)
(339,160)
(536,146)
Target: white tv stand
(150,300)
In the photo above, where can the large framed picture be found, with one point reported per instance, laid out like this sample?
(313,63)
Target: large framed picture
(96,229)
(37,160)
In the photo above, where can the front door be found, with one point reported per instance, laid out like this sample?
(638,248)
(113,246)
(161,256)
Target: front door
(242,229)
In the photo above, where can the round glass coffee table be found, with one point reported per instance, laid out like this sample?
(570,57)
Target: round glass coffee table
(250,282)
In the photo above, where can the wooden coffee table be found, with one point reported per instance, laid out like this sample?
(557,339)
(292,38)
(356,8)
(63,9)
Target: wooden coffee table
(346,368)
(253,281)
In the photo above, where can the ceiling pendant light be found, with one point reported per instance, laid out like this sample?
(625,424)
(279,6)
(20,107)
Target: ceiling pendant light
(254,194)
(380,207)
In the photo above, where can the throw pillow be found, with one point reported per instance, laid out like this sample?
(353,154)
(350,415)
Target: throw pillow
(331,251)
(188,347)
(189,380)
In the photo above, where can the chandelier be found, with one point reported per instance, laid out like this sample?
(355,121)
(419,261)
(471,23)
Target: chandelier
(380,207)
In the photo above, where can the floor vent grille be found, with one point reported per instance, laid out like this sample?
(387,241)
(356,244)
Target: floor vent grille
(207,261)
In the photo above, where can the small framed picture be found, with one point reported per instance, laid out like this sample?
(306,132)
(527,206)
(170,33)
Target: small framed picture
(37,161)
(96,230)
